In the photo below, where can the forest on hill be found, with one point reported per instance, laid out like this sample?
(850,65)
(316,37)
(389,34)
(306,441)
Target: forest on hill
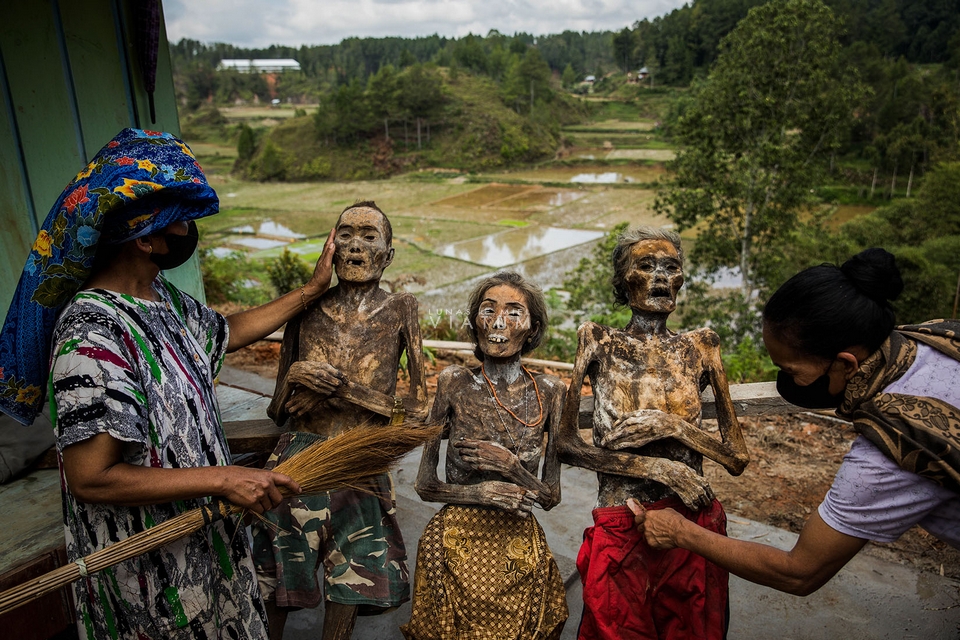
(907,53)
(779,112)
(677,46)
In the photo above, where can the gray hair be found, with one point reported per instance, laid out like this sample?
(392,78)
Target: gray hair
(621,254)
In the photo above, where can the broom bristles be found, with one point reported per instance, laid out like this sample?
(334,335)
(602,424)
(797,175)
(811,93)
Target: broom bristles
(347,459)
(342,461)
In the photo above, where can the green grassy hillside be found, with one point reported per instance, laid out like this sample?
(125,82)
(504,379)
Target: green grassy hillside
(473,130)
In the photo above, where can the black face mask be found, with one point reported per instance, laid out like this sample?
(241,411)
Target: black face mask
(179,248)
(815,395)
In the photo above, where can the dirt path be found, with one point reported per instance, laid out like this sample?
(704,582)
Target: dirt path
(793,459)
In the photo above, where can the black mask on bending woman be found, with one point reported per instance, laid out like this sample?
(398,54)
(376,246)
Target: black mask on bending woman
(179,248)
(815,395)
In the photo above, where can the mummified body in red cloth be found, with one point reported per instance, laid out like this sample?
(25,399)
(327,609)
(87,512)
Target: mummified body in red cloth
(648,445)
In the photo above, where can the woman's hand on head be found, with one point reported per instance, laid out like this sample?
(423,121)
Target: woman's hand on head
(323,272)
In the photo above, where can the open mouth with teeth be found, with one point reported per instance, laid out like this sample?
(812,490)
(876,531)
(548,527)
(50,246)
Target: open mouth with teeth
(660,292)
(354,262)
(497,339)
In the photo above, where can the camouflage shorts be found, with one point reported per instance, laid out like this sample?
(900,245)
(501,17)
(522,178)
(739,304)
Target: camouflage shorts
(354,534)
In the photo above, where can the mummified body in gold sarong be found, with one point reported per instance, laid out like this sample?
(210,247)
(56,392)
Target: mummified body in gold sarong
(483,566)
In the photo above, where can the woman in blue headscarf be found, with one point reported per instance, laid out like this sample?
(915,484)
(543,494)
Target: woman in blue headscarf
(130,362)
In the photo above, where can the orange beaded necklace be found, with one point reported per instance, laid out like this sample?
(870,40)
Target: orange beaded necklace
(536,389)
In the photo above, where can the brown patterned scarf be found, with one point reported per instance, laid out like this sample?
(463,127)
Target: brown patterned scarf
(920,434)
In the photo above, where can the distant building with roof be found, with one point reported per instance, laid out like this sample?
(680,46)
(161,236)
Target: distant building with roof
(272,65)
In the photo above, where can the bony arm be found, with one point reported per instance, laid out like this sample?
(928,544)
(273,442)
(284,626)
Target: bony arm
(484,455)
(415,403)
(504,495)
(308,383)
(644,426)
(731,451)
(819,553)
(639,428)
(96,473)
(693,489)
(551,457)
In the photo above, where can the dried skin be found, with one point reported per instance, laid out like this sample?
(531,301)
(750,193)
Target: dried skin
(468,412)
(496,417)
(648,443)
(339,359)
(345,358)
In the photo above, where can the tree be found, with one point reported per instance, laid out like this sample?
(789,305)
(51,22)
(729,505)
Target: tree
(924,235)
(569,77)
(421,94)
(352,110)
(758,134)
(528,80)
(470,54)
(246,142)
(624,49)
(383,92)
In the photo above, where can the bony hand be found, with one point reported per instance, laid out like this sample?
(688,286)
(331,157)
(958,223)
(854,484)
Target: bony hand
(484,455)
(303,401)
(506,496)
(658,527)
(642,427)
(320,377)
(692,488)
(256,490)
(323,272)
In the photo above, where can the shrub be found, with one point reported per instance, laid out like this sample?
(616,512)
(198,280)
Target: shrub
(749,362)
(271,164)
(246,143)
(232,278)
(288,272)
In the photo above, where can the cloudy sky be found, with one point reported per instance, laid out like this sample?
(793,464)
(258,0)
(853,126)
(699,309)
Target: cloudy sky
(259,23)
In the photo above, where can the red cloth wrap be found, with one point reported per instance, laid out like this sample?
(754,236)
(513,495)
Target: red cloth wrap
(633,591)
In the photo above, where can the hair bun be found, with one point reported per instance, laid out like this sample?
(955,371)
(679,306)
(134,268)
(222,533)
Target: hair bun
(874,273)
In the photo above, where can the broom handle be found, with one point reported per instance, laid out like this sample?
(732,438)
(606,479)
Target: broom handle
(170,530)
(147,540)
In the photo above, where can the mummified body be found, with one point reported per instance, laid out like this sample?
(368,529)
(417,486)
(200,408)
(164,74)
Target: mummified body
(338,370)
(648,444)
(483,565)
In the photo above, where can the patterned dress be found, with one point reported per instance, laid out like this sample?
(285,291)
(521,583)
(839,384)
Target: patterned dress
(143,372)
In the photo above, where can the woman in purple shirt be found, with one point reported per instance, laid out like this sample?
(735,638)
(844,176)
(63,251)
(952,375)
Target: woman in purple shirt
(831,330)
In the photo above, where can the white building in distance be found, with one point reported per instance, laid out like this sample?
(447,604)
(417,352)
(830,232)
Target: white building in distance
(277,65)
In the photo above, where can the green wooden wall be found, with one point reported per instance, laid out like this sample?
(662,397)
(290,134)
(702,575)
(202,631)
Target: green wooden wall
(69,81)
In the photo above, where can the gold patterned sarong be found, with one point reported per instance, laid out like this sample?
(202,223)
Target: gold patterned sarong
(485,574)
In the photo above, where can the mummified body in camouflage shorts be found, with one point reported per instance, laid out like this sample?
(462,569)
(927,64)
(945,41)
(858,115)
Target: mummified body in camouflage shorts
(363,564)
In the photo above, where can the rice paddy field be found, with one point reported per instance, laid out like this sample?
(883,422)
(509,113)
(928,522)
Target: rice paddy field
(451,229)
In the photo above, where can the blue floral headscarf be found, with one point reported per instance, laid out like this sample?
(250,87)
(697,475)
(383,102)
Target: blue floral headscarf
(139,183)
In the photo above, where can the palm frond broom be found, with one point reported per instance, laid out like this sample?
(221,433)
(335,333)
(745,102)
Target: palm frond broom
(342,461)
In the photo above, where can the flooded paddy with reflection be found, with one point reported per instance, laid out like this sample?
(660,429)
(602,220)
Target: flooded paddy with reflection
(517,245)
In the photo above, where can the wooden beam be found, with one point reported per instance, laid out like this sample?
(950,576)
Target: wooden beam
(751,399)
(252,436)
(259,436)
